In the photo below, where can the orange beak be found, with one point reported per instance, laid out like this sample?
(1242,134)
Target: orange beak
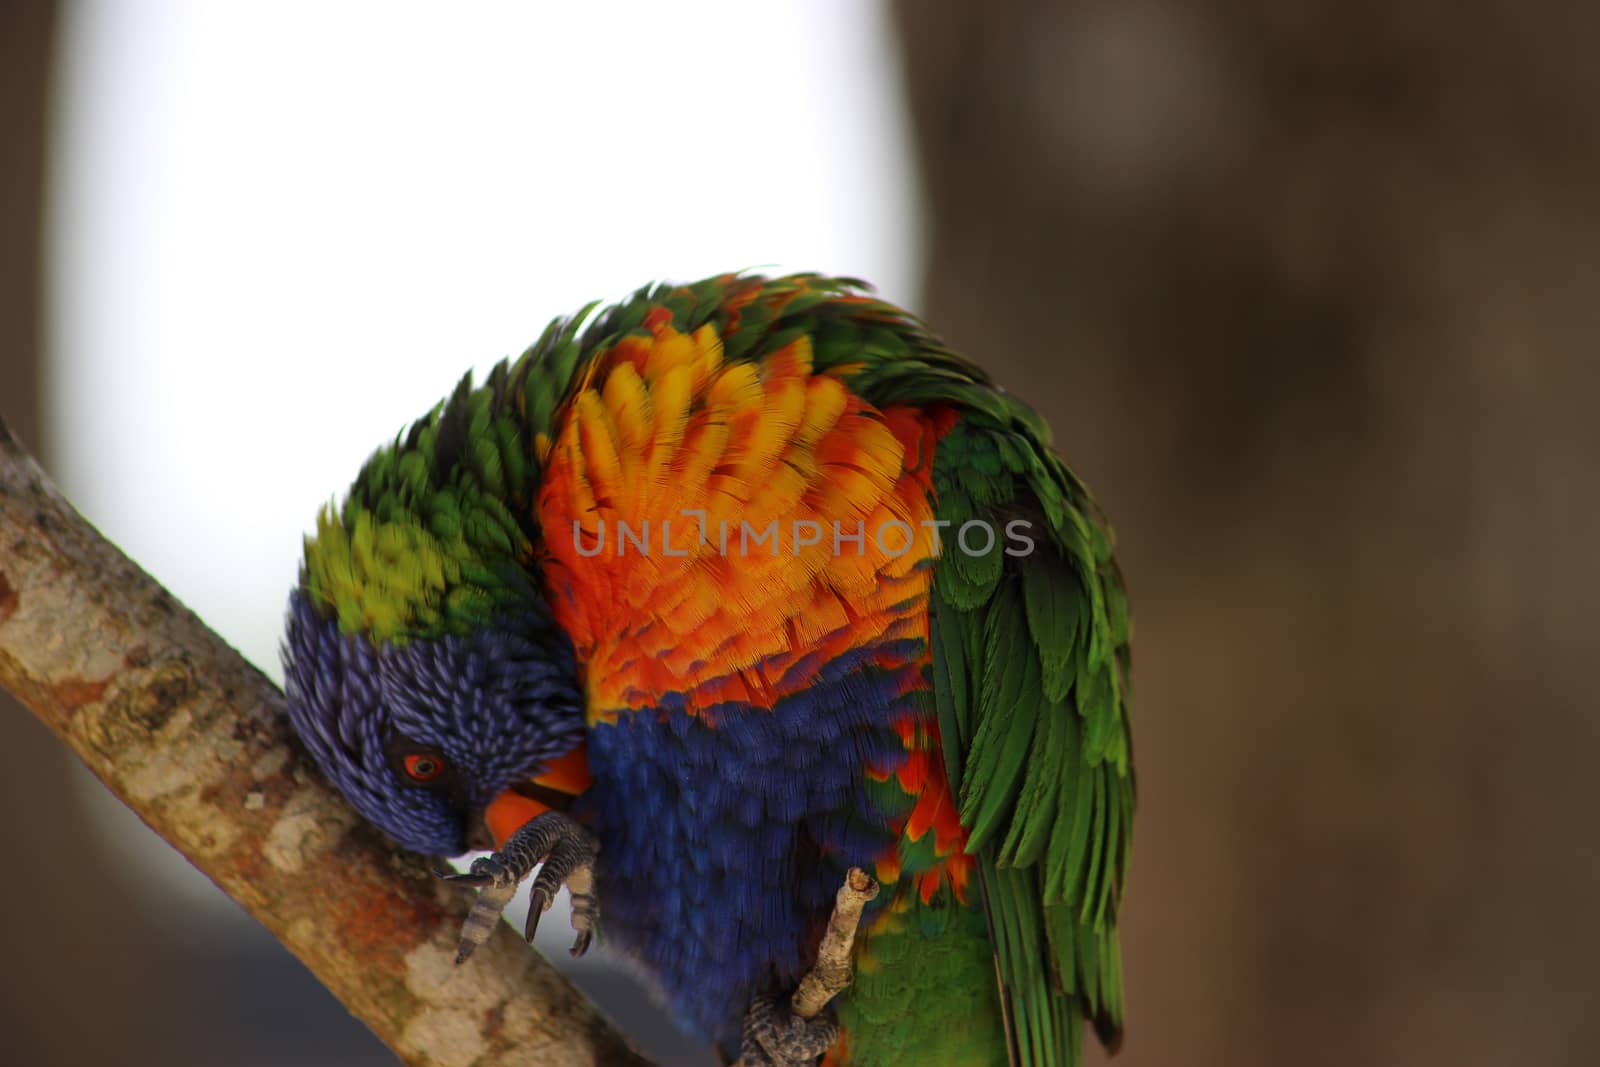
(566,776)
(507,812)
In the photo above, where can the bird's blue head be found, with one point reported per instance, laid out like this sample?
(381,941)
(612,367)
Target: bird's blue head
(420,736)
(422,667)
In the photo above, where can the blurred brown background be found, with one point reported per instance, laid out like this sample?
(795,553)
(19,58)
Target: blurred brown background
(1311,294)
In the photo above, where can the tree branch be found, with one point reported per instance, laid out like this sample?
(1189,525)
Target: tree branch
(834,969)
(195,740)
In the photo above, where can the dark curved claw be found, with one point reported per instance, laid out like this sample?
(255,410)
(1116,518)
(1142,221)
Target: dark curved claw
(471,881)
(567,852)
(537,903)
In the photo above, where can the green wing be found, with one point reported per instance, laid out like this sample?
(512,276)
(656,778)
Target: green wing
(1030,660)
(1030,654)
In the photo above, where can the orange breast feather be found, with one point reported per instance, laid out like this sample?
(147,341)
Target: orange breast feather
(679,497)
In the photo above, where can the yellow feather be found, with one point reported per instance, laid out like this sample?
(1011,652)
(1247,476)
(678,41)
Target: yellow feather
(847,494)
(736,387)
(669,399)
(669,402)
(598,445)
(708,347)
(880,451)
(779,493)
(582,493)
(629,406)
(772,433)
(702,448)
(825,402)
(672,349)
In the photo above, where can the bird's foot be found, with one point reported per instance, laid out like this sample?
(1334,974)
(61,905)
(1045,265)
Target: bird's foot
(774,1036)
(568,853)
(794,1034)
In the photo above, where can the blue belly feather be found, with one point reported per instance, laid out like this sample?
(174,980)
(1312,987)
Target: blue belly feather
(724,835)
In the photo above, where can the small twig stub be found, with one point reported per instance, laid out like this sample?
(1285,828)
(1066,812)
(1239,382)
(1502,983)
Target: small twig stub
(833,970)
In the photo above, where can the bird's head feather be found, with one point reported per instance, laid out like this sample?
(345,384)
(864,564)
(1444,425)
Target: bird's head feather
(423,669)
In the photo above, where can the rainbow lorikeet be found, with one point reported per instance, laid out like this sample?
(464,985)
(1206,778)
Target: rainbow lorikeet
(713,594)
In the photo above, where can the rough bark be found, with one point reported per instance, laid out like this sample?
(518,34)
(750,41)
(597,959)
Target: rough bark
(194,739)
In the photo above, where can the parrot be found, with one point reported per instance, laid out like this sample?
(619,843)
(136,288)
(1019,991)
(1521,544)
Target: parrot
(710,596)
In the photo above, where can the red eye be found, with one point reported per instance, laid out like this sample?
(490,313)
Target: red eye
(424,768)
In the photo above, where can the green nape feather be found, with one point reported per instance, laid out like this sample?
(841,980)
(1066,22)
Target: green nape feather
(436,535)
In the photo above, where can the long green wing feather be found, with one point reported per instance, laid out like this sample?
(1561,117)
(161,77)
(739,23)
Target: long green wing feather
(1039,750)
(1030,663)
